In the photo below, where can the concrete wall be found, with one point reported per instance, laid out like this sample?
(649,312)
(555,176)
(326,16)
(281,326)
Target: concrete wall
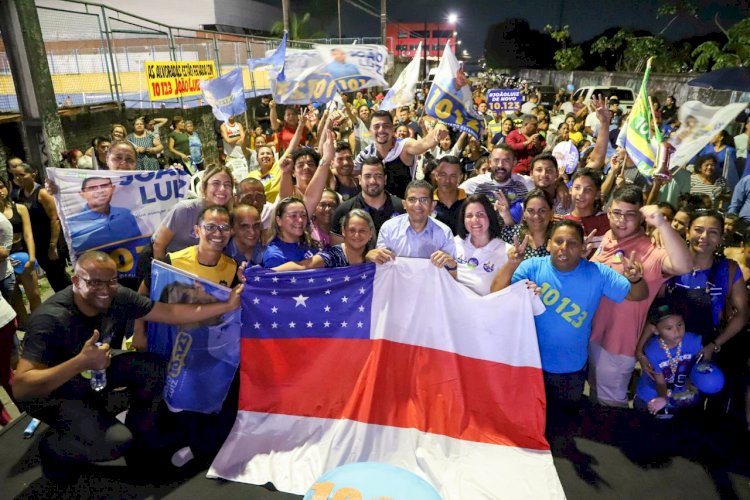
(660,85)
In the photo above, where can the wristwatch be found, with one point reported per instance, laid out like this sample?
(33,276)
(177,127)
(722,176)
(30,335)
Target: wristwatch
(446,266)
(717,347)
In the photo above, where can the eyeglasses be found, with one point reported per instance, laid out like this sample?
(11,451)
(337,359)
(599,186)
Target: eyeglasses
(96,187)
(328,206)
(98,284)
(210,227)
(627,216)
(422,200)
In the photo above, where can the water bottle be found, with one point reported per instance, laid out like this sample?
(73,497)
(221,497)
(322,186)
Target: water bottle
(98,377)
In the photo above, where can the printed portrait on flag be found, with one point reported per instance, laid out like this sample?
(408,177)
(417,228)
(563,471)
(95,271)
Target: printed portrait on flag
(203,357)
(338,366)
(114,211)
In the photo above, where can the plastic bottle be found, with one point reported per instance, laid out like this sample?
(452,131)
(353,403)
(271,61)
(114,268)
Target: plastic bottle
(98,377)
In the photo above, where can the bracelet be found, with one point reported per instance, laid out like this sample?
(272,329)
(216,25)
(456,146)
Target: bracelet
(636,281)
(451,268)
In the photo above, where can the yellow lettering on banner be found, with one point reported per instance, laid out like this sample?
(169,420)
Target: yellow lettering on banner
(170,80)
(444,108)
(322,490)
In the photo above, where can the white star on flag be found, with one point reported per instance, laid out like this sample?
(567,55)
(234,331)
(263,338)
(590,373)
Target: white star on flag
(292,324)
(274,292)
(344,324)
(256,301)
(311,280)
(360,324)
(274,309)
(346,278)
(257,325)
(327,308)
(257,279)
(274,324)
(329,279)
(344,299)
(364,276)
(362,290)
(275,279)
(293,280)
(309,324)
(327,324)
(361,309)
(300,300)
(328,292)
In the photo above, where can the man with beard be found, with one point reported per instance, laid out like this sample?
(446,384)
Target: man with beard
(398,156)
(373,199)
(247,243)
(70,334)
(545,174)
(499,178)
(345,184)
(616,328)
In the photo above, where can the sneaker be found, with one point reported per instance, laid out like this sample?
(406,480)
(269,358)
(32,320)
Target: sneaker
(182,456)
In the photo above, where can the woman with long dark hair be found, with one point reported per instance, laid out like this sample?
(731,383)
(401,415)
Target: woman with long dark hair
(535,223)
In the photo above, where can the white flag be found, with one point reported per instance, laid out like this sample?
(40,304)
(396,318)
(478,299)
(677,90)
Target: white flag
(699,123)
(403,91)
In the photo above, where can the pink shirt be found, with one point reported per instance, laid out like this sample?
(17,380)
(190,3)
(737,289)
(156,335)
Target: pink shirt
(617,327)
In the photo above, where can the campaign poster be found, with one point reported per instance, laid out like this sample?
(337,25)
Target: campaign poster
(501,100)
(114,211)
(204,356)
(172,79)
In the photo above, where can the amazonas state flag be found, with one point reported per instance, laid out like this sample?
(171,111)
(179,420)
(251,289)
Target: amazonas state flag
(396,364)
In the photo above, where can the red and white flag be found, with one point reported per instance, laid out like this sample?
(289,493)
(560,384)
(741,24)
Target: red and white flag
(396,364)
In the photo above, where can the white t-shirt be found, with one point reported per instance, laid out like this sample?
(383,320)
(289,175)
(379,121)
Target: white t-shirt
(740,143)
(477,267)
(592,121)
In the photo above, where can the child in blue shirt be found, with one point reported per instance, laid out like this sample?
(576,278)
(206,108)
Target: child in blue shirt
(672,354)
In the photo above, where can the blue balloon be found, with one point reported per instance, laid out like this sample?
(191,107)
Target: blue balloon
(19,260)
(571,87)
(707,377)
(372,480)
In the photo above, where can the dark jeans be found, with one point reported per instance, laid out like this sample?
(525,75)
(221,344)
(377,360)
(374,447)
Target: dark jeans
(55,270)
(564,392)
(84,428)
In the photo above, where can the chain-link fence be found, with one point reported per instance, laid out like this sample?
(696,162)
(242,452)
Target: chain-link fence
(96,54)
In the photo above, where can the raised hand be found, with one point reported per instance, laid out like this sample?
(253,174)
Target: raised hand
(588,245)
(653,216)
(517,251)
(632,269)
(93,356)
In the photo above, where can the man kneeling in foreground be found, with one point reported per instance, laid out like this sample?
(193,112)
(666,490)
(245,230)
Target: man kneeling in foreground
(71,334)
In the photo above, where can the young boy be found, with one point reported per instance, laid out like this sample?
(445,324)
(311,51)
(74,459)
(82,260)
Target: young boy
(672,353)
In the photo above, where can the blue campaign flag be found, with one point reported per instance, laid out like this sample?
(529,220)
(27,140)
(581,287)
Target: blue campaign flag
(203,357)
(450,99)
(225,94)
(275,60)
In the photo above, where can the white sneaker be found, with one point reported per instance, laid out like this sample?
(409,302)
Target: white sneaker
(182,456)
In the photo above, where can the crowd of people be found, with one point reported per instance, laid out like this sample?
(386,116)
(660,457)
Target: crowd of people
(640,277)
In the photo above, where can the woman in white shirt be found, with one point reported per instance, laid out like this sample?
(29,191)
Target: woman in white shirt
(480,253)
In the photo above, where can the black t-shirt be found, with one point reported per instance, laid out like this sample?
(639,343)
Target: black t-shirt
(393,206)
(58,329)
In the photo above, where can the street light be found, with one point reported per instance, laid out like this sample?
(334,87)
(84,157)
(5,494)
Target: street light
(452,18)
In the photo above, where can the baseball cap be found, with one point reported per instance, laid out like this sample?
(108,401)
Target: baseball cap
(660,310)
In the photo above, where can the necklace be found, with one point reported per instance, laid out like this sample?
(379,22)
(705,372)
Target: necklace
(673,361)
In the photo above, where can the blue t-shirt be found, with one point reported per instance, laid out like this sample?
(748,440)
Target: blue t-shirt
(691,346)
(89,229)
(279,252)
(715,280)
(571,299)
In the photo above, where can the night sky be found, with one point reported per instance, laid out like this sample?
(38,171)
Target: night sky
(586,18)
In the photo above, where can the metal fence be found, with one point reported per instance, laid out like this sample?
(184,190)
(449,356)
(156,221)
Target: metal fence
(96,54)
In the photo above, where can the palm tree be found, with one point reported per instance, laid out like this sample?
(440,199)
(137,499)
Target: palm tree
(298,28)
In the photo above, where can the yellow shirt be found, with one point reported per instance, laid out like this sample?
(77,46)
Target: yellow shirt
(223,273)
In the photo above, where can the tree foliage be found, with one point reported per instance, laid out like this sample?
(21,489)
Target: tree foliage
(566,58)
(299,28)
(734,52)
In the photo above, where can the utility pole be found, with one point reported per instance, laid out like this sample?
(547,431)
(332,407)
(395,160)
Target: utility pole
(285,14)
(338,10)
(382,21)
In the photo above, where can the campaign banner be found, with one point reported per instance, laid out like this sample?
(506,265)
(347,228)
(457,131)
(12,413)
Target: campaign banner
(276,60)
(450,99)
(315,75)
(501,100)
(225,95)
(170,79)
(403,91)
(114,211)
(203,357)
